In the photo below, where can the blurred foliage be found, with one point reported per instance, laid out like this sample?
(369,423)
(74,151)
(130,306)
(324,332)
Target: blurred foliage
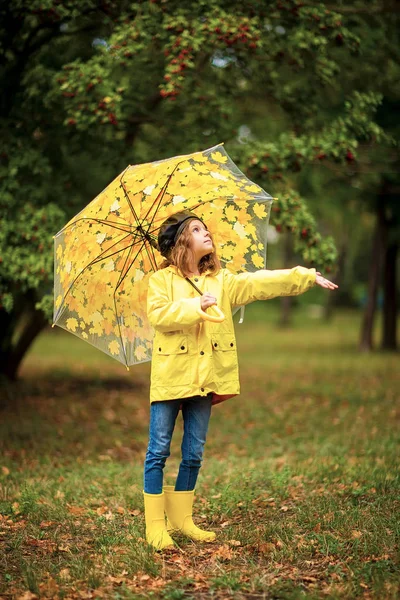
(91,86)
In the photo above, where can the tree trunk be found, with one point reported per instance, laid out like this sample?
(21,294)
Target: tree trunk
(27,325)
(286,301)
(389,329)
(379,243)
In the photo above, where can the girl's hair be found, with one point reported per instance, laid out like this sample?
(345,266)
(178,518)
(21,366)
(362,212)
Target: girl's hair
(182,255)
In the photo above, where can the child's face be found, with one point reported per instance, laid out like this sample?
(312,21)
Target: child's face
(201,243)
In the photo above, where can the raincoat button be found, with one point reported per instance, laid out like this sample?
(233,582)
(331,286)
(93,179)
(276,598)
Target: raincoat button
(202,352)
(159,349)
(202,389)
(196,278)
(215,345)
(182,347)
(231,344)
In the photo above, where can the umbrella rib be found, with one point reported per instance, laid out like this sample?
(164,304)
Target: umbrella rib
(159,198)
(99,257)
(161,193)
(152,258)
(122,277)
(129,201)
(120,281)
(102,221)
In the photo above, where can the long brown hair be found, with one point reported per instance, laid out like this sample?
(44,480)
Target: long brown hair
(181,256)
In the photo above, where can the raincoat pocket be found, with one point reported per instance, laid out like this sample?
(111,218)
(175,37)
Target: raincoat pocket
(170,359)
(225,357)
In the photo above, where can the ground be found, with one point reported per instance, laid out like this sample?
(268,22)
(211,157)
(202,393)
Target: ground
(300,476)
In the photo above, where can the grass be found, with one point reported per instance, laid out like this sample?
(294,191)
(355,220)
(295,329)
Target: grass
(300,476)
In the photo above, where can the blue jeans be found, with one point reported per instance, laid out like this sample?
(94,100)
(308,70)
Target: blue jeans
(196,412)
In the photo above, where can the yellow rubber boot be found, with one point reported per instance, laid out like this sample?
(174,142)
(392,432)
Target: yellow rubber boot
(179,508)
(156,530)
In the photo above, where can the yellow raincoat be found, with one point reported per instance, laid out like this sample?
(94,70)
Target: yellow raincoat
(195,357)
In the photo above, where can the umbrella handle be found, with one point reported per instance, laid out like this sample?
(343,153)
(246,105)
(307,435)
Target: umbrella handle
(218,318)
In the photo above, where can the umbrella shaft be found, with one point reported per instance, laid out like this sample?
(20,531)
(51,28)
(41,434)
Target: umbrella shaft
(195,286)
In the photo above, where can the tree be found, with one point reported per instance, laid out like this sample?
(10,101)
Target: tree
(117,80)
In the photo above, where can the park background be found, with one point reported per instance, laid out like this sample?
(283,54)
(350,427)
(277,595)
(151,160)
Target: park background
(300,477)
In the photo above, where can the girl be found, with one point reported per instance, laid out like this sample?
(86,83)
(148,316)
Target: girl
(194,362)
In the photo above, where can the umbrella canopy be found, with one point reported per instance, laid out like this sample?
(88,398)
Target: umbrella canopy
(106,253)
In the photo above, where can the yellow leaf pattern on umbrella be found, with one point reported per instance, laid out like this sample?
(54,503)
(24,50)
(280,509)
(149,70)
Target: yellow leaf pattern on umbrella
(259,211)
(114,347)
(72,324)
(219,157)
(257,260)
(104,260)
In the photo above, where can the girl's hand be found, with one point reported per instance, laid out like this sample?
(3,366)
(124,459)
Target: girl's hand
(207,300)
(325,282)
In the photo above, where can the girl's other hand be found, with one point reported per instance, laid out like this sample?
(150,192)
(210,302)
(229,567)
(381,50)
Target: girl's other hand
(325,282)
(207,300)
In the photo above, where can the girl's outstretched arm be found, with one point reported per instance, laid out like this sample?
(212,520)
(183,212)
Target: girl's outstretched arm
(265,284)
(325,282)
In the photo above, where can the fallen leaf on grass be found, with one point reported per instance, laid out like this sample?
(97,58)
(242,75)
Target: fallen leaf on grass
(120,550)
(266,547)
(5,470)
(104,457)
(75,510)
(27,596)
(223,552)
(135,513)
(49,588)
(44,502)
(355,534)
(15,508)
(101,510)
(32,541)
(119,579)
(65,574)
(234,542)
(45,524)
(225,524)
